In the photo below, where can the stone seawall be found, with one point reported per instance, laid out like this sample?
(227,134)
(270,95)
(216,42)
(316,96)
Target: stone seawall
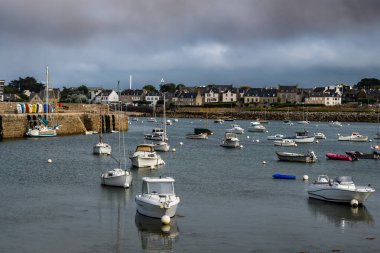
(278,115)
(16,125)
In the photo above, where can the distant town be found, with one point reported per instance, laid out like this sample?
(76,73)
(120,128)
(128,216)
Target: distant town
(367,92)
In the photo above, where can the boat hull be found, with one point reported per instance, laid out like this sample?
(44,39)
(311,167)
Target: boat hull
(100,149)
(162,146)
(117,178)
(146,161)
(293,157)
(283,176)
(333,156)
(339,195)
(156,209)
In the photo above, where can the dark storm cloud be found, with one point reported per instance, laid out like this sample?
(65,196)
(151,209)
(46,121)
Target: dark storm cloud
(92,40)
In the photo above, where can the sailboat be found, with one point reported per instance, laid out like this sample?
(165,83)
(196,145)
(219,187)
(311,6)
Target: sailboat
(153,119)
(120,177)
(162,145)
(42,128)
(304,120)
(287,119)
(102,148)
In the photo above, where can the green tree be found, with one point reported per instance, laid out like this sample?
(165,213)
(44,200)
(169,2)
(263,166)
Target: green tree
(150,88)
(168,87)
(28,83)
(83,89)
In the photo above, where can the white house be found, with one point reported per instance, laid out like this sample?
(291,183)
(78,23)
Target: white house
(212,96)
(229,95)
(323,99)
(106,97)
(152,98)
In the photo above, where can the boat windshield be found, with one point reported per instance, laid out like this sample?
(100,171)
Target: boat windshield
(344,180)
(144,148)
(159,188)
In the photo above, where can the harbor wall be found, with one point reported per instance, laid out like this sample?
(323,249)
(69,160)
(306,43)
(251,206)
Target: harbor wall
(282,115)
(16,125)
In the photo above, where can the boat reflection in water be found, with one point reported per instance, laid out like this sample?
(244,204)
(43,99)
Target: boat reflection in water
(155,236)
(342,216)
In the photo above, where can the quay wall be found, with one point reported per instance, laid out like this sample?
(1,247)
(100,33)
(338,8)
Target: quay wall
(282,115)
(16,125)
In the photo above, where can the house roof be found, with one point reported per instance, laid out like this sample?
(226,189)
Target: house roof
(287,89)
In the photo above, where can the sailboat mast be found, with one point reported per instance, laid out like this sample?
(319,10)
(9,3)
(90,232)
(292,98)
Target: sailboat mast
(164,135)
(118,116)
(47,87)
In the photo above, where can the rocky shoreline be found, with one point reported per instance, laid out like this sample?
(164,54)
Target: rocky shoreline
(278,115)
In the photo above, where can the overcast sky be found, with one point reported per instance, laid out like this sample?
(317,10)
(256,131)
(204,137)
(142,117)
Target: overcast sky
(194,42)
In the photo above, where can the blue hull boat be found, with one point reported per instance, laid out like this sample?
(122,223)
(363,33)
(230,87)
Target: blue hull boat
(283,176)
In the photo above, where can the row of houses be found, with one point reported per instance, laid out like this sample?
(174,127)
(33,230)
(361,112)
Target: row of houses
(200,95)
(255,97)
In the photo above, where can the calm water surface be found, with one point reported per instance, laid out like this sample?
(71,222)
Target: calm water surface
(229,202)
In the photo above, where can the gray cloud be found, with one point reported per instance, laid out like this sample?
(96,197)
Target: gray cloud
(193,42)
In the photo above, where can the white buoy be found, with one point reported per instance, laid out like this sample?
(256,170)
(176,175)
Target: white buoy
(174,150)
(257,140)
(264,162)
(165,219)
(241,146)
(247,136)
(267,131)
(305,177)
(370,140)
(295,145)
(181,143)
(316,141)
(50,161)
(354,203)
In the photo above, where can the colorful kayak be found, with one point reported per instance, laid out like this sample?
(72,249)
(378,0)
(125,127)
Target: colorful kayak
(283,176)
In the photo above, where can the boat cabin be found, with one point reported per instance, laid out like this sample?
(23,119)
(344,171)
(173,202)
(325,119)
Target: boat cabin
(145,148)
(202,130)
(161,186)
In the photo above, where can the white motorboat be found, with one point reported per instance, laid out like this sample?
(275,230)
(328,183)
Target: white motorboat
(303,122)
(288,122)
(276,137)
(256,127)
(135,119)
(117,177)
(236,129)
(151,119)
(342,189)
(157,197)
(355,136)
(175,120)
(230,140)
(319,136)
(295,157)
(335,124)
(145,156)
(197,136)
(168,122)
(303,137)
(218,121)
(285,143)
(158,134)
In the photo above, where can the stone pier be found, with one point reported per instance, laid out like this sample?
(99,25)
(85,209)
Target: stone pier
(16,125)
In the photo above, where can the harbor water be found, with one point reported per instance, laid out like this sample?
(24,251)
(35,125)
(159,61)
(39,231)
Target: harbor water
(229,201)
